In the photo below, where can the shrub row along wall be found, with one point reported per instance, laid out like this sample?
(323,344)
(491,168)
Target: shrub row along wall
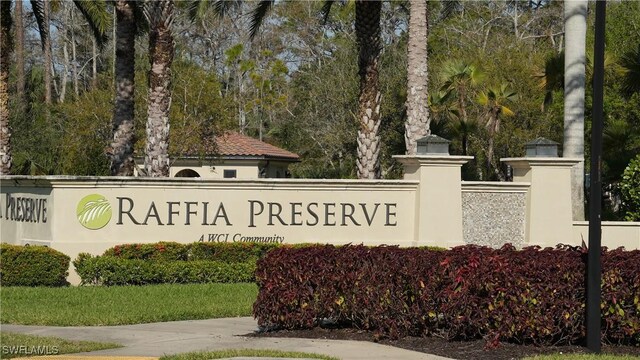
(226,252)
(32,266)
(170,262)
(527,296)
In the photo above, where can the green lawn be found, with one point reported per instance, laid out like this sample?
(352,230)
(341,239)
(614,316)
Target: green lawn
(119,305)
(582,357)
(245,353)
(20,345)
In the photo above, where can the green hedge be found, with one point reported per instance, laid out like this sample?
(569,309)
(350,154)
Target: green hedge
(108,270)
(172,251)
(32,266)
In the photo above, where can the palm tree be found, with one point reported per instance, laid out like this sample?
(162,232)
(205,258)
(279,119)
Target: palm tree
(19,31)
(121,151)
(551,78)
(367,26)
(495,100)
(159,14)
(442,110)
(6,47)
(460,79)
(630,63)
(369,100)
(575,20)
(418,120)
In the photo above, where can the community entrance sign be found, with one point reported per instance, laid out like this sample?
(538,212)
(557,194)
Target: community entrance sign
(431,206)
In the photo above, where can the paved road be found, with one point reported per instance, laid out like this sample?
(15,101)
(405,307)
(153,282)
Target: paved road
(166,338)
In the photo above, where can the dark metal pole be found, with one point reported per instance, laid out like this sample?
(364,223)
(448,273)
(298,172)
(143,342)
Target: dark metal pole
(594,271)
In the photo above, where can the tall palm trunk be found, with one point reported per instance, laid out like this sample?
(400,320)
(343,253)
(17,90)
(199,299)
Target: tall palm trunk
(5,55)
(121,155)
(19,30)
(575,22)
(368,36)
(48,59)
(161,49)
(493,127)
(417,123)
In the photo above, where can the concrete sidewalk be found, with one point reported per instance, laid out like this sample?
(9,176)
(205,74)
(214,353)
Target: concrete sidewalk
(158,339)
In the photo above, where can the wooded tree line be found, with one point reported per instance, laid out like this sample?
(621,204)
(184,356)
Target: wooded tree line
(345,86)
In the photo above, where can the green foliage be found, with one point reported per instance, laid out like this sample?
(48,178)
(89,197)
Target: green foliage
(321,127)
(110,271)
(229,252)
(198,110)
(296,85)
(161,251)
(171,262)
(172,251)
(87,132)
(32,266)
(630,190)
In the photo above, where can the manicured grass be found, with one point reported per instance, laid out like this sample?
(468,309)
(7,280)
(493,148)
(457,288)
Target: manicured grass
(21,345)
(119,305)
(245,353)
(582,357)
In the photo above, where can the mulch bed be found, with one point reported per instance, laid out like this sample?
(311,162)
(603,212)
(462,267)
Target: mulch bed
(452,349)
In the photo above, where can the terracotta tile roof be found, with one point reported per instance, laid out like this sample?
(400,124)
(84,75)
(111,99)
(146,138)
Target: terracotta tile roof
(235,144)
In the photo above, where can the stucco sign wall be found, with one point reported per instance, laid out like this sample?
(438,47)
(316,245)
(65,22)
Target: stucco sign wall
(92,214)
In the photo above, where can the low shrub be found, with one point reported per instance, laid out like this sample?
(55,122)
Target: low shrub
(171,262)
(32,266)
(171,251)
(161,251)
(108,270)
(530,296)
(229,252)
(630,190)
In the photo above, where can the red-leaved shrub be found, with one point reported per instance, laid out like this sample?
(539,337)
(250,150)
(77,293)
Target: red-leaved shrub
(532,296)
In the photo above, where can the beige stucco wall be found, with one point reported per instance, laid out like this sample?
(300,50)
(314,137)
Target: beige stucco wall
(439,198)
(614,234)
(327,211)
(549,217)
(269,210)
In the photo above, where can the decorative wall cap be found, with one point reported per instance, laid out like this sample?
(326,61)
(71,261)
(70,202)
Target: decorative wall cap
(272,183)
(433,159)
(495,186)
(526,162)
(632,224)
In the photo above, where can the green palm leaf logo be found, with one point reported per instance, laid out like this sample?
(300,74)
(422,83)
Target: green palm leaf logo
(94,211)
